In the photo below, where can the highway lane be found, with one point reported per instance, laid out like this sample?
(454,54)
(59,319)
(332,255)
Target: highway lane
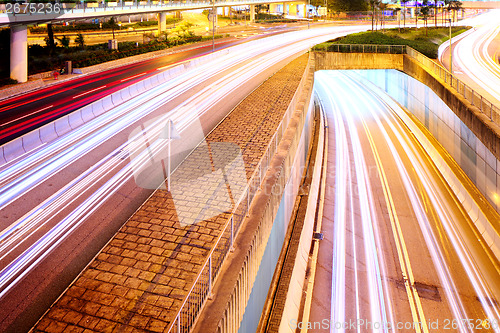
(61,202)
(23,113)
(405,255)
(475,55)
(26,112)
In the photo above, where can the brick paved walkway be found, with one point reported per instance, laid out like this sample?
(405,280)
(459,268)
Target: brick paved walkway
(139,279)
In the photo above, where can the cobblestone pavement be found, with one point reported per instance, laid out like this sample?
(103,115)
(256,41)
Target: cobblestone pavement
(137,282)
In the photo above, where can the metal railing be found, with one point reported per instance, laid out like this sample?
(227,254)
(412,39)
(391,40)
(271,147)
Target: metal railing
(490,110)
(201,289)
(60,7)
(361,48)
(486,107)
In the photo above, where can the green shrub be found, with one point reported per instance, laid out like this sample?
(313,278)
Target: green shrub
(421,40)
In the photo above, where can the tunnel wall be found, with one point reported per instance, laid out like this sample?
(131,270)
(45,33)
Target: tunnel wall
(479,142)
(470,115)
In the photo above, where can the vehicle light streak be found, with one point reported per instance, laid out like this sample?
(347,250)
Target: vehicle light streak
(91,91)
(444,215)
(379,302)
(360,101)
(37,111)
(471,54)
(133,77)
(93,187)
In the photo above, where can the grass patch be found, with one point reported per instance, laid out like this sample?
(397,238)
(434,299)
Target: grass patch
(426,41)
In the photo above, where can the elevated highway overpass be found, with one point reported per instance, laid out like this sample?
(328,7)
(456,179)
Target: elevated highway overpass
(481,4)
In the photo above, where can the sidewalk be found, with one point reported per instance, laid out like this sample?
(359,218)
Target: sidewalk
(139,279)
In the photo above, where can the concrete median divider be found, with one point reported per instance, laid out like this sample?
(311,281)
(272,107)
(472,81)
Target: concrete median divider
(48,132)
(116,98)
(126,94)
(31,141)
(107,103)
(97,109)
(61,126)
(3,161)
(133,89)
(87,113)
(75,119)
(13,149)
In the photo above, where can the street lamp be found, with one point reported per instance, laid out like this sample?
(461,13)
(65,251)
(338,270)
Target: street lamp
(214,16)
(451,52)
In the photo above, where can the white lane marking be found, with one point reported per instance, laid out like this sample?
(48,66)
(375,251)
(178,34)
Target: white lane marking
(27,115)
(133,77)
(89,91)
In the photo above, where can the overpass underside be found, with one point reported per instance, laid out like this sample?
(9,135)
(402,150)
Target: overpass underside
(481,4)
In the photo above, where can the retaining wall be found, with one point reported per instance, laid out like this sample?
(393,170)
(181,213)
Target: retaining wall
(226,311)
(336,60)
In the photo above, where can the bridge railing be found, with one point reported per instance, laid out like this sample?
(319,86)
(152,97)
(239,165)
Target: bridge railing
(57,8)
(490,110)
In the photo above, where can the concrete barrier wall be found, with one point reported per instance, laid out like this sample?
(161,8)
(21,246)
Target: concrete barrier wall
(50,132)
(297,280)
(470,115)
(335,60)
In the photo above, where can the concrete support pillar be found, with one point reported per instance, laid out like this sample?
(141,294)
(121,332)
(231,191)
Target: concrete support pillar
(293,9)
(306,13)
(285,8)
(231,14)
(162,22)
(252,13)
(19,53)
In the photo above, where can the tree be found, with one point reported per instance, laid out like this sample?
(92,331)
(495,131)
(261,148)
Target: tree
(455,6)
(396,11)
(64,41)
(50,41)
(416,15)
(447,4)
(80,40)
(113,25)
(260,8)
(404,12)
(347,5)
(382,6)
(425,10)
(435,13)
(373,5)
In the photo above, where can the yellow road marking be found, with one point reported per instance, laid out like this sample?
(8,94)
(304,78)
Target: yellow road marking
(404,261)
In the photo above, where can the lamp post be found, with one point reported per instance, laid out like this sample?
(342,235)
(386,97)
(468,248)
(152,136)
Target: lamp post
(451,52)
(214,16)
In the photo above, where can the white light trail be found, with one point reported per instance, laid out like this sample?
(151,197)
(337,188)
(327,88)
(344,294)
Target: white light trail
(111,172)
